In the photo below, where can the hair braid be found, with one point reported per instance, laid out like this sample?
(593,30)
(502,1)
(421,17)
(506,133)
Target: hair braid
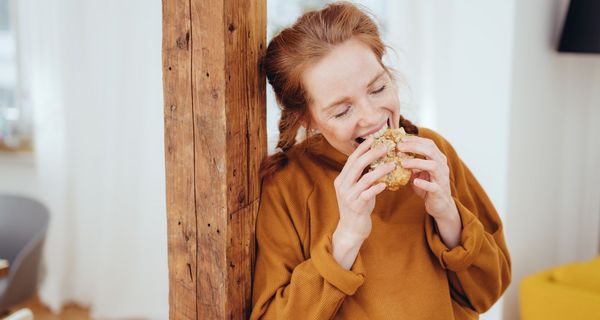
(289,123)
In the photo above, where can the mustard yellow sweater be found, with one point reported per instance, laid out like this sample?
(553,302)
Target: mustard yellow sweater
(403,270)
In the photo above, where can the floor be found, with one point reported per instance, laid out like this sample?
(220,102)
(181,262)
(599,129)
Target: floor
(41,312)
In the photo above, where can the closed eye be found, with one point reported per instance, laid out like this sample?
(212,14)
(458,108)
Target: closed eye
(341,114)
(379,90)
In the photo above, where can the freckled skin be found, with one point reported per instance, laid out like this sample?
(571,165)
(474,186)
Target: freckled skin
(346,71)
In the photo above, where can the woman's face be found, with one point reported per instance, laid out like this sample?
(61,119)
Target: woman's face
(352,95)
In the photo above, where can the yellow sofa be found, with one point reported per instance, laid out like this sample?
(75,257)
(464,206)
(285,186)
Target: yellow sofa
(566,292)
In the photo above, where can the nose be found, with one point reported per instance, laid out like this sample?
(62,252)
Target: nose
(369,115)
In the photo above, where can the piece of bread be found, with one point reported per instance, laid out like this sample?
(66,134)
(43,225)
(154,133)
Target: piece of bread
(399,176)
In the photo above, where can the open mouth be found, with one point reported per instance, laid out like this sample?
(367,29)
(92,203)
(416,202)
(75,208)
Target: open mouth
(377,134)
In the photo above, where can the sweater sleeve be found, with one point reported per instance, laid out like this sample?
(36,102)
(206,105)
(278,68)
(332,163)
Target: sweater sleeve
(287,285)
(479,268)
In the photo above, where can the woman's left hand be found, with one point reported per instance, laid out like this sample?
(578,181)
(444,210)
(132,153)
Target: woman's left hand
(431,176)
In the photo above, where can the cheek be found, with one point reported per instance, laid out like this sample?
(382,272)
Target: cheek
(344,133)
(340,133)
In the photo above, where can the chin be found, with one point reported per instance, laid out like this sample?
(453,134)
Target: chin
(349,151)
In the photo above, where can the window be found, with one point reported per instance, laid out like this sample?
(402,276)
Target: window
(15,128)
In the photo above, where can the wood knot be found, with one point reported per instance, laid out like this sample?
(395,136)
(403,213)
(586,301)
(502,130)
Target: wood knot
(231,27)
(183,41)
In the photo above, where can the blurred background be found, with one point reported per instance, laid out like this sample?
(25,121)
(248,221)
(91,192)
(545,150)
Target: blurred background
(81,132)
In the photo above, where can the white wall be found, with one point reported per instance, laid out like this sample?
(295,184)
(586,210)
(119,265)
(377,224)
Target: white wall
(554,149)
(473,55)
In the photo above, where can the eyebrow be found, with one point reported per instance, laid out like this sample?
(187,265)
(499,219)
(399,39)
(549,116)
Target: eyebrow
(344,99)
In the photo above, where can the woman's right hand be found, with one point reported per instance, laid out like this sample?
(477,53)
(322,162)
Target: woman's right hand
(356,200)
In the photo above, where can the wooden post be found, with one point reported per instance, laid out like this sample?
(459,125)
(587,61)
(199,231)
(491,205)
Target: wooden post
(215,138)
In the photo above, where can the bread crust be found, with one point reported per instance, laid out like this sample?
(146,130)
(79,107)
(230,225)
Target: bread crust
(399,176)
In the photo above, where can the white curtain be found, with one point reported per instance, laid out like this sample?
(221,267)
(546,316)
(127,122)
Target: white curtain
(91,72)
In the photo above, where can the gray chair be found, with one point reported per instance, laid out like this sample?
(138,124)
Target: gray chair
(23,225)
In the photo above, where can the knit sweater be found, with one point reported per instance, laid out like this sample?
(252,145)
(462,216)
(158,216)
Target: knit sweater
(403,269)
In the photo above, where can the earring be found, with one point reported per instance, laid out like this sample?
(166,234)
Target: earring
(313,131)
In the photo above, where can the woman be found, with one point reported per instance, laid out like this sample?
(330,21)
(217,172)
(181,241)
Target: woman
(333,243)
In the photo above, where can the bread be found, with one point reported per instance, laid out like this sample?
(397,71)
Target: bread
(399,176)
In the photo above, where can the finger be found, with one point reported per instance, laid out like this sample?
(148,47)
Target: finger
(417,139)
(418,174)
(359,151)
(370,178)
(435,169)
(357,167)
(426,185)
(373,191)
(421,146)
(420,192)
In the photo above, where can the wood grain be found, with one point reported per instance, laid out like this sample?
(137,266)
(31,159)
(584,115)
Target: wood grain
(179,159)
(225,97)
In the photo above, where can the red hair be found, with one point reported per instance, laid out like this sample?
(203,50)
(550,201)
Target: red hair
(308,40)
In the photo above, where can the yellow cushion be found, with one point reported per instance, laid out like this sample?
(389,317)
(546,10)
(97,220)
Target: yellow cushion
(584,275)
(566,292)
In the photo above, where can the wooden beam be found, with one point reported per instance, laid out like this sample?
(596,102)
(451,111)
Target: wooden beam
(215,138)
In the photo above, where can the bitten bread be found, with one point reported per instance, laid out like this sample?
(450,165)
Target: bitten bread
(399,176)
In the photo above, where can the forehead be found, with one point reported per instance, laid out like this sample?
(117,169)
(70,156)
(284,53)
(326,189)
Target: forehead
(344,71)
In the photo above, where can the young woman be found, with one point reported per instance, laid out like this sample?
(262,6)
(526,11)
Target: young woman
(332,242)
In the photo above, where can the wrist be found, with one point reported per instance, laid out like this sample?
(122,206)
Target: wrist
(450,215)
(448,219)
(450,228)
(345,248)
(346,240)
(348,237)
